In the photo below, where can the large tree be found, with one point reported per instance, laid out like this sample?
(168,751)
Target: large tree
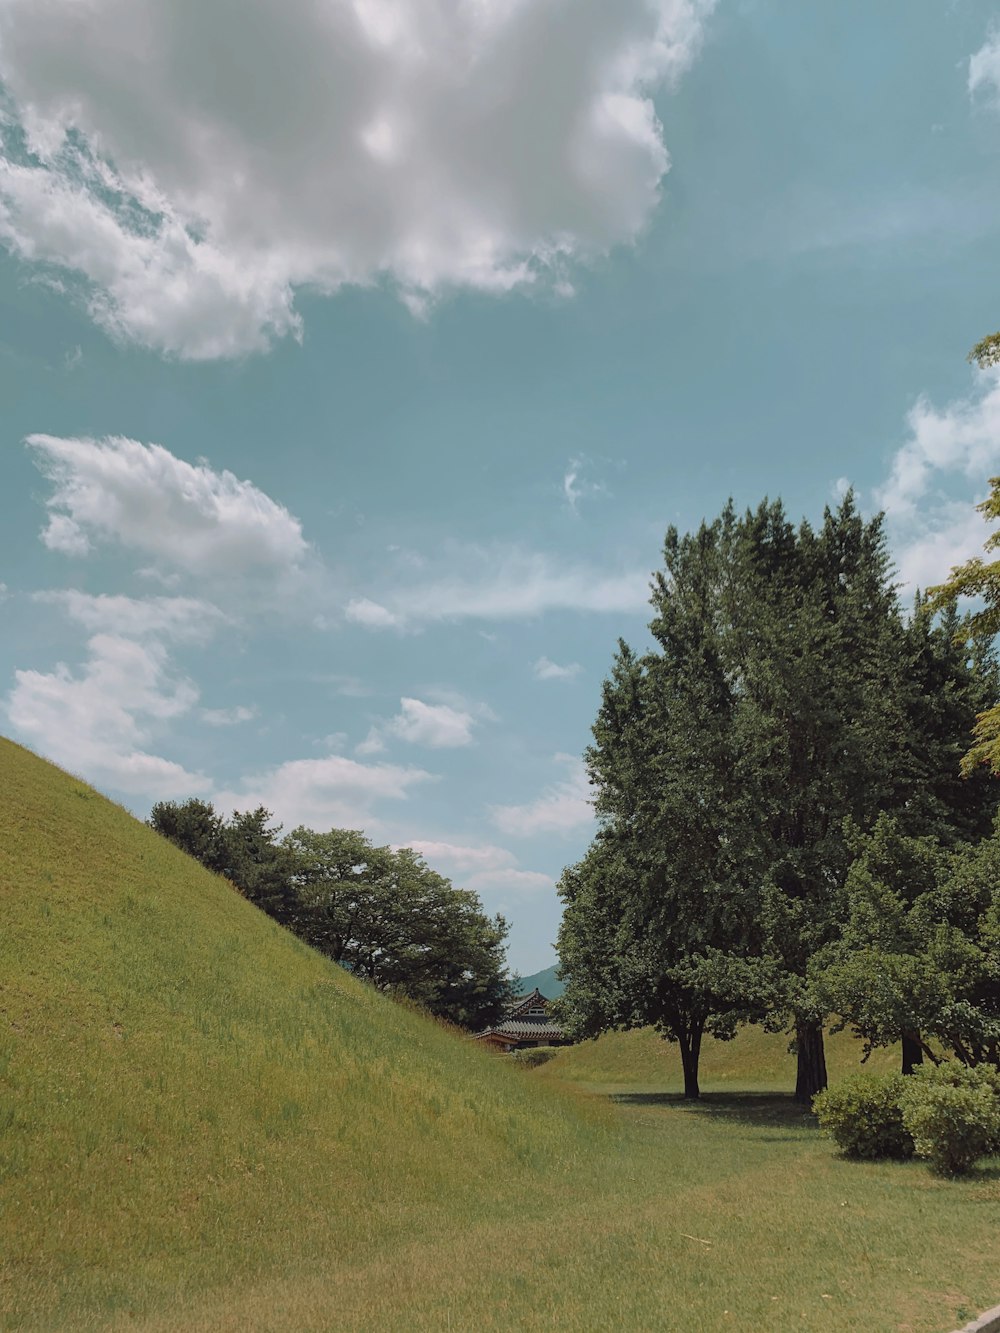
(786,695)
(381,913)
(385,915)
(666,882)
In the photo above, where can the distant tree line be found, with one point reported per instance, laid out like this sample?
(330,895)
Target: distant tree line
(381,913)
(784,831)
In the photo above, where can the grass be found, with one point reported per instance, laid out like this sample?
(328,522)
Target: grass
(203,1125)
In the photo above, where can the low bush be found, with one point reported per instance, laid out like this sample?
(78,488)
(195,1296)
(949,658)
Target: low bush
(953,1115)
(864,1118)
(532,1056)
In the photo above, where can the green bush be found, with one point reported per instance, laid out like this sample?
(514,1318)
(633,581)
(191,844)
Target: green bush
(532,1056)
(863,1116)
(953,1115)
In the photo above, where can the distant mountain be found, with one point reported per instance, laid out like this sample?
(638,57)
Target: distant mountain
(547,982)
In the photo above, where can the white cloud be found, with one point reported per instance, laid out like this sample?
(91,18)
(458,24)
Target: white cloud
(562,808)
(186,618)
(194,166)
(462,858)
(482,868)
(99,721)
(438,726)
(228,717)
(362,611)
(331,792)
(964,439)
(521,881)
(984,69)
(577,484)
(141,496)
(504,583)
(545,669)
(930,512)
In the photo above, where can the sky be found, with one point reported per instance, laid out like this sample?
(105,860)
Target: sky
(355,356)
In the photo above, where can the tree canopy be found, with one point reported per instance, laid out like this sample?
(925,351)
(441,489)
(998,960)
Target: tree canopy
(381,913)
(787,701)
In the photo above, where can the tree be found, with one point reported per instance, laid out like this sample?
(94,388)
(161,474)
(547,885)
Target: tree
(665,885)
(919,957)
(245,850)
(980,579)
(785,695)
(386,916)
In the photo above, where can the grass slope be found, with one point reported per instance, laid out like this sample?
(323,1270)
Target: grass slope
(753,1060)
(203,1126)
(189,1094)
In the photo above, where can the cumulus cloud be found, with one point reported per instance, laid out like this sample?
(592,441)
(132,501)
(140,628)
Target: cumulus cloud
(438,726)
(545,669)
(331,792)
(192,165)
(563,807)
(183,618)
(935,479)
(504,583)
(99,721)
(362,611)
(145,499)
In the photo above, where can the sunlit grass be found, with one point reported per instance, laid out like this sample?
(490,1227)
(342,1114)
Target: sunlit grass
(205,1126)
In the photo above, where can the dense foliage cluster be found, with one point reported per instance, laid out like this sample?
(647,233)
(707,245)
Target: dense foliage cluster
(381,913)
(948,1114)
(784,830)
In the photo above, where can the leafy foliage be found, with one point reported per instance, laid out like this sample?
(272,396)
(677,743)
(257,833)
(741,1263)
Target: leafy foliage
(919,953)
(381,914)
(953,1115)
(980,579)
(864,1117)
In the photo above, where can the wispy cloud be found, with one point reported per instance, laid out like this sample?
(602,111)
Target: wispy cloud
(563,807)
(545,669)
(501,583)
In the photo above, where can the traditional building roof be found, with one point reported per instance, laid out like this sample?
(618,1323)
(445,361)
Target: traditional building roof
(527,1020)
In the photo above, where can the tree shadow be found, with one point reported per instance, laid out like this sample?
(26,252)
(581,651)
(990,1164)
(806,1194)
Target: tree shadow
(759,1110)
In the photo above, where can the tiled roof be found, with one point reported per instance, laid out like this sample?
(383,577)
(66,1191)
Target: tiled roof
(525,1031)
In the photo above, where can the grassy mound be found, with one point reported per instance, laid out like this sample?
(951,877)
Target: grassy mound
(754,1059)
(187,1093)
(204,1127)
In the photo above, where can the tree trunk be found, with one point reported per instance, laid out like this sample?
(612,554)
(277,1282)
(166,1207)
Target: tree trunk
(913,1052)
(689,1040)
(810,1076)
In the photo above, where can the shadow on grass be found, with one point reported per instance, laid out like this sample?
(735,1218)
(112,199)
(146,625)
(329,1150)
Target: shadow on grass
(760,1110)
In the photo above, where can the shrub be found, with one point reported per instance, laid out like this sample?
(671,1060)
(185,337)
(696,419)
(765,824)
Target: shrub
(863,1117)
(953,1114)
(532,1056)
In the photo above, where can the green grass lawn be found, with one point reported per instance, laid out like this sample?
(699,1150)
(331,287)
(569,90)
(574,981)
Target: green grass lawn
(203,1125)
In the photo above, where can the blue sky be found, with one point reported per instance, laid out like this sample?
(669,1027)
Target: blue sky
(354,358)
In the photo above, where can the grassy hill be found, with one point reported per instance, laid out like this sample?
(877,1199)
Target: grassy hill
(754,1060)
(190,1095)
(204,1126)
